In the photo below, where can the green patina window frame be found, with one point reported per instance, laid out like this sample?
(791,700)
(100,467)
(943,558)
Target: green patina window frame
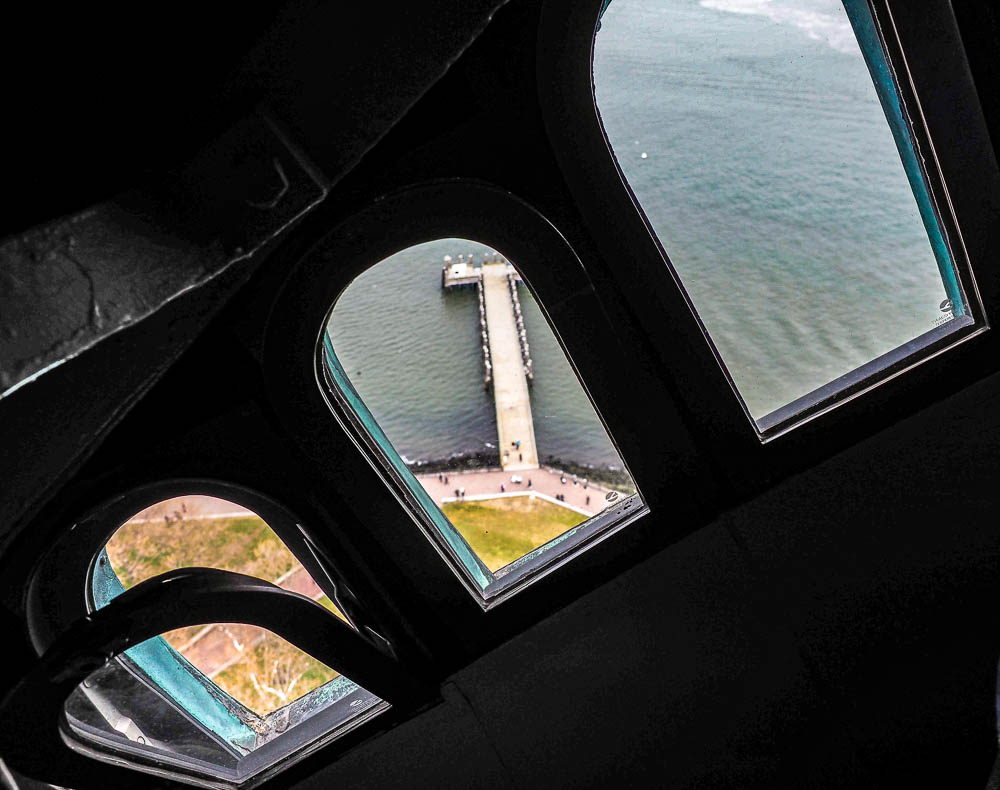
(480,575)
(174,674)
(866,32)
(488,587)
(873,30)
(235,727)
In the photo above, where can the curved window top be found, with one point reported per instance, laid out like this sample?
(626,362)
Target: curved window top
(772,153)
(445,365)
(208,532)
(218,701)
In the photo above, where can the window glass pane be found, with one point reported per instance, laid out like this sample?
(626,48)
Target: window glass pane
(448,360)
(781,180)
(114,704)
(206,532)
(250,664)
(204,732)
(218,699)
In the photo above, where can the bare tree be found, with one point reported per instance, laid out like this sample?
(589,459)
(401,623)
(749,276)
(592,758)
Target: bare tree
(173,534)
(272,674)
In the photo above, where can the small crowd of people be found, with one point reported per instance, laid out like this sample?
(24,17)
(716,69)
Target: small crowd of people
(518,480)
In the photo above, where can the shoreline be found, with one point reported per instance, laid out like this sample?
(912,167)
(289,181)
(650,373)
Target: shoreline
(609,476)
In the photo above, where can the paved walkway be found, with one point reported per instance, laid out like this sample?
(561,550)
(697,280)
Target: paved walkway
(192,506)
(217,647)
(590,500)
(510,387)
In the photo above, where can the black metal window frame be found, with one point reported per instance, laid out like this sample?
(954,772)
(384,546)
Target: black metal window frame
(671,410)
(54,605)
(924,50)
(500,585)
(650,372)
(326,426)
(61,611)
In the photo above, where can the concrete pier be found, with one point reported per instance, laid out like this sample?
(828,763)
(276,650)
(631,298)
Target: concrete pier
(510,385)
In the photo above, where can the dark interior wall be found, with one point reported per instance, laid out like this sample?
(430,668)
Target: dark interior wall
(176,145)
(839,631)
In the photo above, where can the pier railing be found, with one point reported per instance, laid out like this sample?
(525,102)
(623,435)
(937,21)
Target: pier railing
(507,366)
(485,335)
(522,336)
(465,274)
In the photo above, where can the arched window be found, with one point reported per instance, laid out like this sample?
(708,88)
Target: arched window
(783,165)
(215,700)
(448,360)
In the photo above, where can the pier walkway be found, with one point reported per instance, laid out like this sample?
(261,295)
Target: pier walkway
(510,386)
(583,497)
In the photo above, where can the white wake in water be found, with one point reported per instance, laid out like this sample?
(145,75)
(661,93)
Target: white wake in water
(831,27)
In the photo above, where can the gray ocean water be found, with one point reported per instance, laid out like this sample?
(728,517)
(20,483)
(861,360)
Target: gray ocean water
(412,352)
(772,180)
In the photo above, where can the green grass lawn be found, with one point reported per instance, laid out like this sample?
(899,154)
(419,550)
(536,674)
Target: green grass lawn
(502,530)
(245,545)
(273,672)
(139,551)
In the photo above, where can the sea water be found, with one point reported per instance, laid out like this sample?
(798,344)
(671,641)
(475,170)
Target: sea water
(413,353)
(751,134)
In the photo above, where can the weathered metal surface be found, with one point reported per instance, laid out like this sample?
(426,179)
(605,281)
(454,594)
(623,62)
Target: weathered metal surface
(66,285)
(136,279)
